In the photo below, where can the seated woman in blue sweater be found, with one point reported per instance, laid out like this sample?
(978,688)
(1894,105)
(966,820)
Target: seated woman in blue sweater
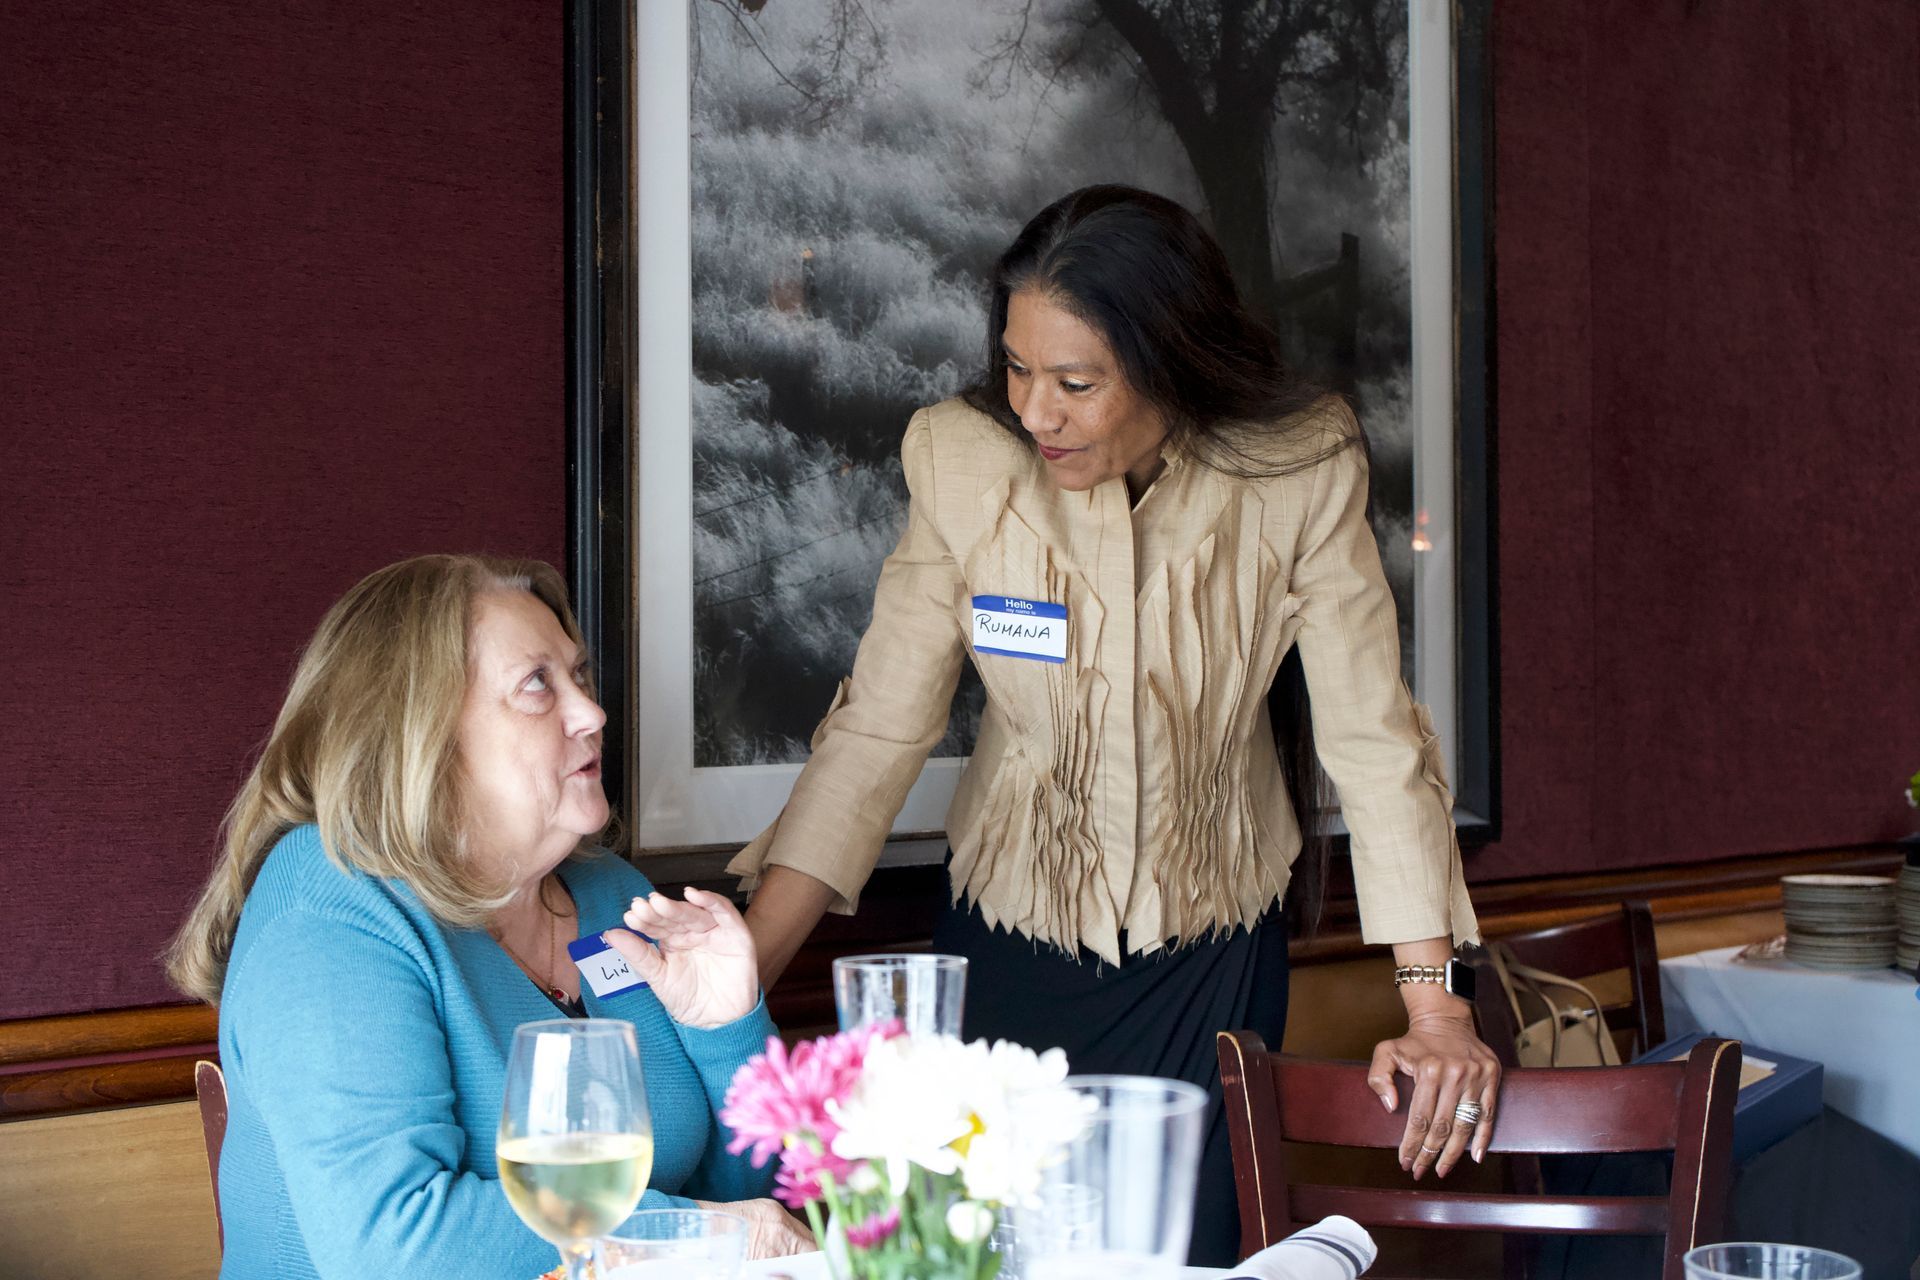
(402,874)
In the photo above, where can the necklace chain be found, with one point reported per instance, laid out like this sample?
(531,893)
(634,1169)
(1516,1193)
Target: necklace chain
(540,976)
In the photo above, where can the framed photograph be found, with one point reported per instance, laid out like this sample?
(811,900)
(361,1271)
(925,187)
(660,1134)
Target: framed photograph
(783,215)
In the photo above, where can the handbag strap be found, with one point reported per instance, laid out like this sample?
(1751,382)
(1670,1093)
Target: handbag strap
(1514,975)
(1503,965)
(1540,978)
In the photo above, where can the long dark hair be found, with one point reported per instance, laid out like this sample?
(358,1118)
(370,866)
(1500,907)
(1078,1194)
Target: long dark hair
(1144,274)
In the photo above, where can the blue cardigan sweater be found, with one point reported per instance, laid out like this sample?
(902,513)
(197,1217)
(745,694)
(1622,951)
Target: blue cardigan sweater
(365,1049)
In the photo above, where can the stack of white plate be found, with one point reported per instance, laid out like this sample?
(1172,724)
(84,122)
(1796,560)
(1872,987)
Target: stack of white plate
(1840,922)
(1907,948)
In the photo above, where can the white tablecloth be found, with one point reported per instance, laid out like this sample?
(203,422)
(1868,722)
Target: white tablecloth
(1864,1026)
(813,1266)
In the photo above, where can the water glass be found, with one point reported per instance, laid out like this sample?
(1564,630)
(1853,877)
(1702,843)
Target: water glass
(926,994)
(1062,1208)
(575,1146)
(676,1244)
(1138,1159)
(1754,1261)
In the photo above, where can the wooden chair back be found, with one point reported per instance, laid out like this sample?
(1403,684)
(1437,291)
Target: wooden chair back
(1274,1099)
(1618,940)
(210,1087)
(116,1191)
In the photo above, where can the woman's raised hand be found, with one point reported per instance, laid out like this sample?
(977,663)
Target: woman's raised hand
(700,962)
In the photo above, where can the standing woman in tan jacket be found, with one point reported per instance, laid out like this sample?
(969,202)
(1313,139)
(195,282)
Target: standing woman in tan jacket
(1151,541)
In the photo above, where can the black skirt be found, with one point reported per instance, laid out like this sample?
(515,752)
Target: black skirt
(1154,1015)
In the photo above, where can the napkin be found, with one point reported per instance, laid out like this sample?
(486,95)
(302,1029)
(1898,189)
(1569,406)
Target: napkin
(1336,1248)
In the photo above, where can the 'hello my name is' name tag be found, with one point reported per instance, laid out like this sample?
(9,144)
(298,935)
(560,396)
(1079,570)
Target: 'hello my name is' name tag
(604,969)
(1015,628)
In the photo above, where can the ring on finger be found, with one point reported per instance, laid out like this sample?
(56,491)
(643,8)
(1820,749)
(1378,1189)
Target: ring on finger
(1432,1151)
(1468,1112)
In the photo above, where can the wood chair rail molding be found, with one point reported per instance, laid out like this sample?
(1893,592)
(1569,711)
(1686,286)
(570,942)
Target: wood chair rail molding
(117,1057)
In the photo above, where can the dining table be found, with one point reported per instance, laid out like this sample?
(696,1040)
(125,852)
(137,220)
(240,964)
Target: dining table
(813,1266)
(1862,1025)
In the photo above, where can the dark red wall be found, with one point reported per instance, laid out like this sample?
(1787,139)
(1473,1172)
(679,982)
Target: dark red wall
(1709,428)
(281,303)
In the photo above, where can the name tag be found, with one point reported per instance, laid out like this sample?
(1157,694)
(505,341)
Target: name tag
(1015,628)
(605,970)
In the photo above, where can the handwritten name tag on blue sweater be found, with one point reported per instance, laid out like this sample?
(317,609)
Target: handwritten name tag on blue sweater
(1015,628)
(605,969)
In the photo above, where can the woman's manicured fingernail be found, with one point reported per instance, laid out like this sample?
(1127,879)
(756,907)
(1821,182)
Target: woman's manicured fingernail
(1387,1103)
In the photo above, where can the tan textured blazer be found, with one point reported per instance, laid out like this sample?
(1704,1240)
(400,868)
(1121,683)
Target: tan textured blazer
(1134,786)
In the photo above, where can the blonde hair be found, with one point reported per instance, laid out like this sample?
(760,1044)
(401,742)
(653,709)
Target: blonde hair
(366,747)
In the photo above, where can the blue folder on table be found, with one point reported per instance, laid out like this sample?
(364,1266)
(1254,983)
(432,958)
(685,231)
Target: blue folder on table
(1768,1109)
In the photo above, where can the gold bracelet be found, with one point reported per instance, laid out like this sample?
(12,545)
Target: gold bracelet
(1406,973)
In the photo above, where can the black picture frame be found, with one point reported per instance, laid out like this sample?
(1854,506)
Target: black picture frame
(600,358)
(1477,786)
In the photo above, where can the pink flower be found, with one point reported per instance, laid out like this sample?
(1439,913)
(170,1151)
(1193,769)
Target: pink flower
(777,1104)
(801,1169)
(875,1229)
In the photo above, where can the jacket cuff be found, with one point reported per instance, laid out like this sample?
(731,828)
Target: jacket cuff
(751,864)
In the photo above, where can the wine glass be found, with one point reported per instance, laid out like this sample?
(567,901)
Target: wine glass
(576,1140)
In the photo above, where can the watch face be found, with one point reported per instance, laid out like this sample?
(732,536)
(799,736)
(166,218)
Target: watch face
(1460,980)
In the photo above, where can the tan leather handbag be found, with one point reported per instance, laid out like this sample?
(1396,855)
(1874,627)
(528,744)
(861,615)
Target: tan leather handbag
(1556,1030)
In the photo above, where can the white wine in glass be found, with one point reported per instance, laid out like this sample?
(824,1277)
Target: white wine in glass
(577,1186)
(576,1142)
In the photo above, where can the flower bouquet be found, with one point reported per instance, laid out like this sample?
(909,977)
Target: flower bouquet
(901,1149)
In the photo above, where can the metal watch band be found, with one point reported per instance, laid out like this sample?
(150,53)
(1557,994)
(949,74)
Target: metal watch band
(1455,976)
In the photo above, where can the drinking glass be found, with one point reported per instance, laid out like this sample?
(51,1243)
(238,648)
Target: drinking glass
(1138,1157)
(676,1244)
(925,993)
(1061,1208)
(1755,1261)
(576,1142)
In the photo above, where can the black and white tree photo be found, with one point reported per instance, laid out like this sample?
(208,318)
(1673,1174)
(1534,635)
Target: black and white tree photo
(857,166)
